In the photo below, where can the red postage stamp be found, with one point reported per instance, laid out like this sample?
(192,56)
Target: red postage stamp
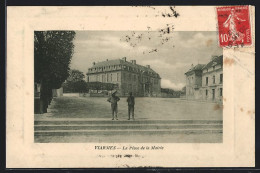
(234,26)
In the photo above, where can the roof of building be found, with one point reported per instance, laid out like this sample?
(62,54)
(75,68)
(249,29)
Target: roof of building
(196,68)
(122,62)
(215,61)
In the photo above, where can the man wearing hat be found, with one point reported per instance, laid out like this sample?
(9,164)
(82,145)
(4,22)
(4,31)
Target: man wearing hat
(131,105)
(113,99)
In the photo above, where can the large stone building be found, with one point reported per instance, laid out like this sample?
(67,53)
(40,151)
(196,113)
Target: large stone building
(129,77)
(205,82)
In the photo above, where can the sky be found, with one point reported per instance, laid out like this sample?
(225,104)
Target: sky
(170,59)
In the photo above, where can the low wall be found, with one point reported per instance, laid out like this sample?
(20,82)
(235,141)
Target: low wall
(97,95)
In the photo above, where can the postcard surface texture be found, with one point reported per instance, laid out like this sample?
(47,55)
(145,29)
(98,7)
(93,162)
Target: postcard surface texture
(130,86)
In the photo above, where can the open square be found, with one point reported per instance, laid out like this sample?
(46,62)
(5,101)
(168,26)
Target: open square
(84,119)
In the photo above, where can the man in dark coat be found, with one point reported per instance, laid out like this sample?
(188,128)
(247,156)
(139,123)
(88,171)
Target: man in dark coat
(131,105)
(113,100)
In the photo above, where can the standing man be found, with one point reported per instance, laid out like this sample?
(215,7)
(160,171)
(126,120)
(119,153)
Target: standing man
(131,105)
(113,99)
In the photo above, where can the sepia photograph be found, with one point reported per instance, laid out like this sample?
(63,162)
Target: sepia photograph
(128,86)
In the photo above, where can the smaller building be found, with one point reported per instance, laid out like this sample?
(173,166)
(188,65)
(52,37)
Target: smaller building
(194,82)
(205,82)
(212,79)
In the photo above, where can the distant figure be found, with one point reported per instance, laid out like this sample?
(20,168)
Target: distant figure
(113,99)
(131,105)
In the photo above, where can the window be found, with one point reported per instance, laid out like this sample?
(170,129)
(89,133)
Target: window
(129,77)
(206,92)
(117,77)
(207,80)
(221,78)
(103,78)
(111,77)
(213,94)
(134,77)
(214,79)
(220,92)
(213,67)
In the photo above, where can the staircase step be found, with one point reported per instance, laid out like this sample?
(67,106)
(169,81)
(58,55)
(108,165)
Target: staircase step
(127,127)
(144,122)
(124,132)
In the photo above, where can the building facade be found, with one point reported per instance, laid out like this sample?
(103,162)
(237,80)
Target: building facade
(129,77)
(212,80)
(205,82)
(194,82)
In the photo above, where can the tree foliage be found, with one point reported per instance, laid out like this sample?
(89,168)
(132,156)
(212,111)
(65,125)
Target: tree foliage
(170,92)
(101,86)
(75,87)
(183,90)
(52,55)
(75,82)
(75,75)
(53,51)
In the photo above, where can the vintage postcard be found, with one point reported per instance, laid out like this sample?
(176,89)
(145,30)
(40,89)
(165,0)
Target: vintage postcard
(135,86)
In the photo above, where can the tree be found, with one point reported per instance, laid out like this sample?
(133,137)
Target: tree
(52,55)
(183,90)
(75,82)
(101,86)
(80,86)
(75,75)
(95,85)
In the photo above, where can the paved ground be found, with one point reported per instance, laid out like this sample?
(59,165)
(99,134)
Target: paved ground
(73,119)
(176,138)
(146,108)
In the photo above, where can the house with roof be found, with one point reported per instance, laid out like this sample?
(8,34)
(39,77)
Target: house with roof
(129,77)
(212,79)
(194,82)
(205,81)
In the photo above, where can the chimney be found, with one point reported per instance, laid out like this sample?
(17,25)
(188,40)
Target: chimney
(94,63)
(148,66)
(191,66)
(133,61)
(124,59)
